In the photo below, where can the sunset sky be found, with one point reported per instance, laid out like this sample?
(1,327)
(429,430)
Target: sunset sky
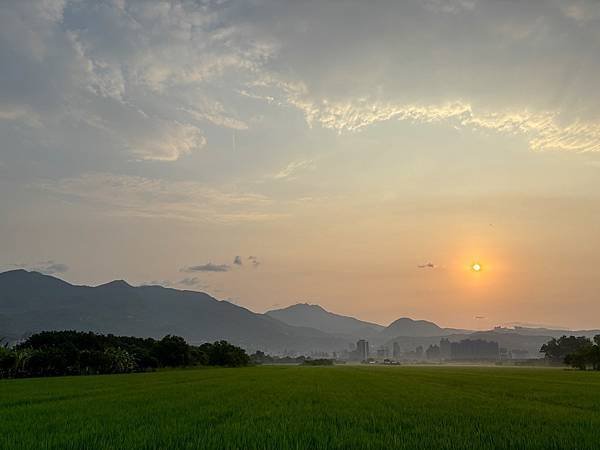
(358,155)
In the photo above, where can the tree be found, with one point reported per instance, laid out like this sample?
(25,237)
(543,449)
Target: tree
(172,351)
(579,352)
(433,352)
(8,360)
(556,350)
(117,360)
(222,353)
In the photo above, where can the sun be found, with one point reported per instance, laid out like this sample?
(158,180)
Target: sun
(476,267)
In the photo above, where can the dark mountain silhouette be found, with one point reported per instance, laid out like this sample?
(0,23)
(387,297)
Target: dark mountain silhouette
(314,316)
(31,302)
(416,328)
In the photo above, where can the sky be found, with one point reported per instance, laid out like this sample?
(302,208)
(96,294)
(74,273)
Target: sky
(358,155)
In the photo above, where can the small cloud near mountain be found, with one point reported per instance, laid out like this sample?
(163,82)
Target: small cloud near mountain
(209,267)
(254,261)
(191,282)
(49,267)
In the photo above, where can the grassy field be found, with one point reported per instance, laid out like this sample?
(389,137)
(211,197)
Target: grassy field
(306,407)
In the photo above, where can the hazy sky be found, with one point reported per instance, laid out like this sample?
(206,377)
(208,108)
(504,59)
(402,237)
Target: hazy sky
(271,152)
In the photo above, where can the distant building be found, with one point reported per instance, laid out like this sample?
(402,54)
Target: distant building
(444,349)
(519,354)
(396,350)
(433,352)
(383,352)
(474,350)
(419,351)
(362,350)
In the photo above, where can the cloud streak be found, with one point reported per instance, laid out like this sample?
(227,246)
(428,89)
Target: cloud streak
(150,197)
(543,130)
(49,267)
(254,261)
(208,267)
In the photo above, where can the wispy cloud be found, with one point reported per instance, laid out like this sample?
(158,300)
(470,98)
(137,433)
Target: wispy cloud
(208,267)
(148,197)
(49,267)
(293,168)
(168,142)
(254,261)
(185,283)
(192,282)
(544,130)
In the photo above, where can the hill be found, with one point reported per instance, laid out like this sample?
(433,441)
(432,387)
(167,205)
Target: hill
(416,328)
(32,302)
(315,316)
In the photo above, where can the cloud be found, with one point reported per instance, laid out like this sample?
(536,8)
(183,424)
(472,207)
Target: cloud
(167,143)
(188,282)
(151,197)
(148,76)
(191,282)
(238,261)
(254,261)
(427,266)
(449,6)
(544,130)
(292,168)
(164,283)
(209,267)
(160,81)
(49,267)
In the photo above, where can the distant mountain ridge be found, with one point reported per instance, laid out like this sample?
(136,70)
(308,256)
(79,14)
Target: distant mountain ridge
(417,328)
(315,316)
(32,302)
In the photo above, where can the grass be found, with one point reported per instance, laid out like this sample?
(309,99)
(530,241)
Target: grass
(306,407)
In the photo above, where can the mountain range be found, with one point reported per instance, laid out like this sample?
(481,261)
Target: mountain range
(31,302)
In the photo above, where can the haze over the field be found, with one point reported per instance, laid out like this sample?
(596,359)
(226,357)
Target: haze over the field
(358,155)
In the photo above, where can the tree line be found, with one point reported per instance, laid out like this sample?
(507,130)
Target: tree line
(578,352)
(54,353)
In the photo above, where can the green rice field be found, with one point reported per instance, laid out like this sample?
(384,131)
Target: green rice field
(297,407)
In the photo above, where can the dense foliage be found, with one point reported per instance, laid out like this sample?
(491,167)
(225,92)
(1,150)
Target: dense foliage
(579,352)
(260,357)
(318,362)
(52,353)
